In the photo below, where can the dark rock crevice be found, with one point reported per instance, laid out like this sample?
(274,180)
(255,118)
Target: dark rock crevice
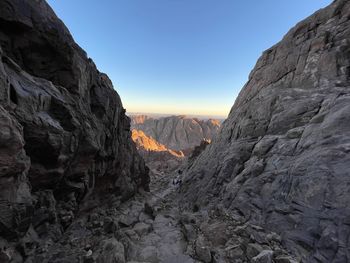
(13,95)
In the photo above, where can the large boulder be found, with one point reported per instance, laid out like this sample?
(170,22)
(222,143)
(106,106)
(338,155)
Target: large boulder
(282,158)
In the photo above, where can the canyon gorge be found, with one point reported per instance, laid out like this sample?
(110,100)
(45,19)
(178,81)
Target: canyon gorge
(272,185)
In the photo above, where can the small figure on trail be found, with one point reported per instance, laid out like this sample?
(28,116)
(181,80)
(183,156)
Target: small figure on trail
(177,181)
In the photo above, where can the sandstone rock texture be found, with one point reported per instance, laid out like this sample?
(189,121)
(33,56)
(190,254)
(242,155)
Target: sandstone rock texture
(64,135)
(176,132)
(147,143)
(156,155)
(282,158)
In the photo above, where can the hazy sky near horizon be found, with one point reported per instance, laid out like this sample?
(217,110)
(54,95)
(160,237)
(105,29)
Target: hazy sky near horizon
(179,56)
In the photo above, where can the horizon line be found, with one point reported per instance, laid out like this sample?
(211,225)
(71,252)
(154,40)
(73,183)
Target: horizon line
(175,114)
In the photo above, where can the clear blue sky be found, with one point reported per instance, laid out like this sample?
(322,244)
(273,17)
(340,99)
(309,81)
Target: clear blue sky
(179,56)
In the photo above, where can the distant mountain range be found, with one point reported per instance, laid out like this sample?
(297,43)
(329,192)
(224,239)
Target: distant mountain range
(157,156)
(180,133)
(165,142)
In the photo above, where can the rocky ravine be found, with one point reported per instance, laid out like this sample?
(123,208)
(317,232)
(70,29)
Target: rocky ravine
(272,187)
(65,140)
(178,133)
(282,159)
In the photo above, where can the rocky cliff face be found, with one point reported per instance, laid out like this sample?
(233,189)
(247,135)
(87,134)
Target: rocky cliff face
(146,143)
(64,135)
(176,132)
(282,158)
(157,156)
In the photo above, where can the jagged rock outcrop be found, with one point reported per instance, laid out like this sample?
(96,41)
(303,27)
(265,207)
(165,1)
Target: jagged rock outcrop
(198,150)
(64,135)
(282,158)
(176,132)
(157,156)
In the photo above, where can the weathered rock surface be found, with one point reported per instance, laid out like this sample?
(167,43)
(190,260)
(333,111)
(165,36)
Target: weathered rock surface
(147,143)
(273,187)
(64,136)
(176,132)
(198,150)
(282,159)
(156,155)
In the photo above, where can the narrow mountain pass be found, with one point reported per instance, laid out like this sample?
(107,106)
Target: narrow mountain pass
(155,227)
(152,225)
(84,181)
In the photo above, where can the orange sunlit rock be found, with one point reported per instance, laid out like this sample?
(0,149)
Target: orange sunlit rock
(147,143)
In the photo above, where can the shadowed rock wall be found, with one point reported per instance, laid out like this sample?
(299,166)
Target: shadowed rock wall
(64,135)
